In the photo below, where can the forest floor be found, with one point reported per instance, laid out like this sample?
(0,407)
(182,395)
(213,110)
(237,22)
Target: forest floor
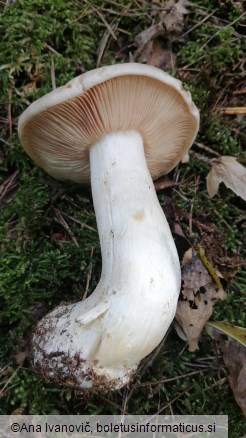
(50,249)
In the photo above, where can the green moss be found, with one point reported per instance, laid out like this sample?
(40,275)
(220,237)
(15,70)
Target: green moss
(214,42)
(36,32)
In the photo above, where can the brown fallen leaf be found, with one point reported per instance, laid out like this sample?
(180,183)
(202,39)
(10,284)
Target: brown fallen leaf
(147,35)
(18,411)
(161,57)
(226,169)
(171,13)
(154,52)
(151,44)
(235,360)
(198,297)
(20,357)
(234,356)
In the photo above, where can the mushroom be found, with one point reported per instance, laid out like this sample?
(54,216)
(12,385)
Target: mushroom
(117,127)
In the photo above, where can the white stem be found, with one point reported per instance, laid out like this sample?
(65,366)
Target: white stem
(135,301)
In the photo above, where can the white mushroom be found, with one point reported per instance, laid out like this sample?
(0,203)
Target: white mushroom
(119,126)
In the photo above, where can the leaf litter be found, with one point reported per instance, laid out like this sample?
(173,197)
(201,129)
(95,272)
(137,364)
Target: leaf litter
(234,356)
(198,296)
(152,44)
(205,266)
(228,170)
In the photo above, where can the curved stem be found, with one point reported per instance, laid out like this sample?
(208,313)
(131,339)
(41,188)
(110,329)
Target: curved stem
(139,260)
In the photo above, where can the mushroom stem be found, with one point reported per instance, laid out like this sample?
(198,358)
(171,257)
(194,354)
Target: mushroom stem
(100,341)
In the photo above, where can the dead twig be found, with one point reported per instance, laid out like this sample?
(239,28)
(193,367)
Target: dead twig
(198,24)
(9,184)
(199,224)
(60,219)
(243,91)
(82,224)
(191,218)
(172,379)
(52,49)
(110,29)
(10,379)
(52,73)
(163,184)
(206,148)
(237,110)
(200,157)
(10,116)
(173,400)
(222,93)
(105,39)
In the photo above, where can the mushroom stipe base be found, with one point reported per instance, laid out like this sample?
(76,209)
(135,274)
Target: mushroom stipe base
(98,343)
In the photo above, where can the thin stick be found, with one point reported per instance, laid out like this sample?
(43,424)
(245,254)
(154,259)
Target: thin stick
(173,400)
(60,219)
(190,219)
(164,184)
(84,225)
(52,49)
(11,377)
(172,379)
(110,29)
(10,116)
(243,91)
(8,184)
(237,110)
(52,73)
(206,148)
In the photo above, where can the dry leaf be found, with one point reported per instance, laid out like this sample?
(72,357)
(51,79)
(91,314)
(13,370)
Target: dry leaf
(143,38)
(233,331)
(160,57)
(171,13)
(191,322)
(20,357)
(235,359)
(154,53)
(18,411)
(151,44)
(198,296)
(234,356)
(227,170)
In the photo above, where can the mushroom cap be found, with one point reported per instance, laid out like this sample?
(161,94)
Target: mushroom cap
(58,130)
